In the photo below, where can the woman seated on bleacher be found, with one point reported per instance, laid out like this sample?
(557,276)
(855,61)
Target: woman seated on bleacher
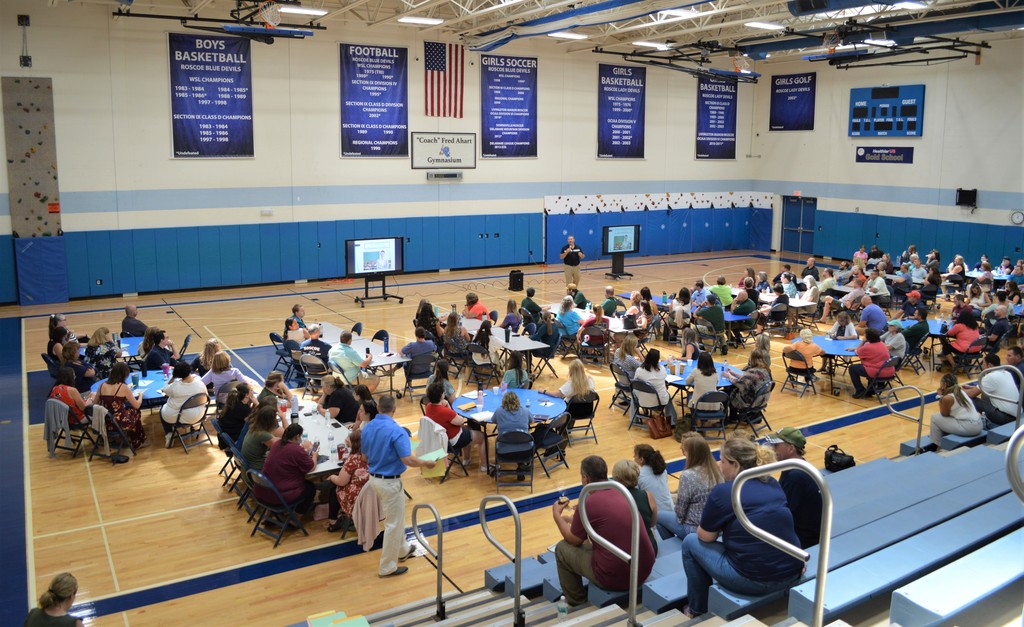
(627,472)
(740,563)
(957,414)
(695,482)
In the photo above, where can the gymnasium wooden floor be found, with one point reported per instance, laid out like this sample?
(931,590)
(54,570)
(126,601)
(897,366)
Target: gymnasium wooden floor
(158,541)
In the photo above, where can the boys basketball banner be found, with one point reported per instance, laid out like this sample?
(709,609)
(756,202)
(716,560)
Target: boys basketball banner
(621,110)
(716,119)
(792,102)
(374,101)
(508,100)
(211,96)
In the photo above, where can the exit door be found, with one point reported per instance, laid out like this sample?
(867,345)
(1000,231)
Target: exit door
(798,224)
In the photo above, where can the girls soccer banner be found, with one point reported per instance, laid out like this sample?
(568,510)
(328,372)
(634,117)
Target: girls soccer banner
(716,119)
(374,101)
(792,102)
(211,97)
(621,107)
(508,100)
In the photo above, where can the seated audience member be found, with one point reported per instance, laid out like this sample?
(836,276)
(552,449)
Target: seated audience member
(876,284)
(912,303)
(131,326)
(894,339)
(55,346)
(688,341)
(960,305)
(788,286)
(611,303)
(454,338)
(293,332)
(850,302)
(916,332)
(441,374)
(918,272)
(803,498)
(811,290)
(871,316)
(350,363)
(101,352)
(997,329)
(902,281)
(742,306)
(1015,358)
(653,373)
(60,320)
(274,386)
(844,273)
(762,282)
(597,322)
(786,269)
(578,385)
(958,339)
(747,384)
(810,269)
(722,290)
(299,312)
(354,475)
(569,317)
(907,254)
(64,390)
(161,353)
(123,405)
(1017,276)
(516,376)
(204,360)
(547,333)
(314,345)
(702,379)
(712,318)
(426,318)
(695,483)
(263,432)
(71,357)
(956,415)
(991,395)
(55,603)
(286,465)
(781,298)
(978,299)
(653,475)
(873,354)
(241,402)
(420,346)
(512,320)
(625,356)
(627,472)
(610,517)
(826,285)
(752,292)
(635,298)
(337,401)
(681,308)
(1013,295)
(459,435)
(577,296)
(483,338)
(874,255)
(183,386)
(530,306)
(511,415)
(221,373)
(748,273)
(807,349)
(474,308)
(644,320)
(699,295)
(741,563)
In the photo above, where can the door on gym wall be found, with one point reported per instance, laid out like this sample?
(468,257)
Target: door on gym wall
(798,224)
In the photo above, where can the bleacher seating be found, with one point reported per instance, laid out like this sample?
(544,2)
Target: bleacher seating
(1001,433)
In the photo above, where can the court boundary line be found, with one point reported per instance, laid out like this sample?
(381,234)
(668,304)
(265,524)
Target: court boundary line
(102,527)
(132,519)
(30,552)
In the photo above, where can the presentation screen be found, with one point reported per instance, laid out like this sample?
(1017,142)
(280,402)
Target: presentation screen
(621,239)
(381,255)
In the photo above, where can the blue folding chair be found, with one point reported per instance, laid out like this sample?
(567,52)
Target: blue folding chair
(280,515)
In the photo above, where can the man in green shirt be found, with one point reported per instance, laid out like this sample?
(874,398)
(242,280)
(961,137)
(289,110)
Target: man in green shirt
(722,290)
(577,296)
(611,304)
(742,306)
(531,307)
(713,318)
(916,332)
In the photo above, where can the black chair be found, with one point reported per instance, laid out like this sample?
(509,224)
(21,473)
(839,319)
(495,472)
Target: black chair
(357,328)
(742,332)
(567,344)
(314,370)
(513,457)
(382,335)
(484,369)
(753,415)
(529,328)
(877,384)
(711,418)
(114,434)
(646,403)
(493,315)
(195,430)
(454,459)
(969,361)
(457,360)
(184,347)
(778,318)
(623,388)
(541,358)
(76,433)
(242,485)
(226,442)
(582,411)
(912,358)
(709,339)
(221,397)
(594,345)
(799,373)
(52,365)
(418,369)
(280,515)
(650,334)
(550,441)
(284,355)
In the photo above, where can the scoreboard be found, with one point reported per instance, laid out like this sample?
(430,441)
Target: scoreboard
(896,111)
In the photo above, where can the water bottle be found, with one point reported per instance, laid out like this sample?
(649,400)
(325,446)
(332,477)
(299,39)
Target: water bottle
(563,610)
(295,407)
(664,298)
(386,345)
(527,403)
(676,363)
(117,340)
(454,311)
(480,398)
(330,445)
(503,387)
(508,334)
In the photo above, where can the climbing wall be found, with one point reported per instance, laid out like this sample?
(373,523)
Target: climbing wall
(31,156)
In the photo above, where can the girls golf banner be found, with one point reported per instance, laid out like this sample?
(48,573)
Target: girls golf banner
(621,106)
(716,119)
(374,101)
(792,103)
(508,100)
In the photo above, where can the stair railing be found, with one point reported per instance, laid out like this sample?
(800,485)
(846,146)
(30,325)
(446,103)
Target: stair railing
(437,555)
(891,396)
(824,536)
(1013,462)
(633,557)
(519,617)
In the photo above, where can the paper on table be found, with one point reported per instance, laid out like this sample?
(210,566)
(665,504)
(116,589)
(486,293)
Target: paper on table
(466,406)
(433,456)
(470,394)
(482,416)
(671,378)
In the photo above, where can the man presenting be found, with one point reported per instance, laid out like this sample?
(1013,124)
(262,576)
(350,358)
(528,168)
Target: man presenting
(131,326)
(802,495)
(388,453)
(571,256)
(609,515)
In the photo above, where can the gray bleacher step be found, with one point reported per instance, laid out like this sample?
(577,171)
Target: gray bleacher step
(423,611)
(795,622)
(952,442)
(907,448)
(1001,433)
(665,592)
(887,569)
(875,466)
(536,611)
(499,608)
(532,577)
(960,585)
(589,616)
(670,618)
(745,621)
(494,578)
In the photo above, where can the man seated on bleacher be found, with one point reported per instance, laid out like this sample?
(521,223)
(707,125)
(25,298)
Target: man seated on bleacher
(802,495)
(989,396)
(1015,358)
(609,515)
(314,345)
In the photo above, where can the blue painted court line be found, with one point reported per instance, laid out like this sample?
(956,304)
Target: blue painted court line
(14,577)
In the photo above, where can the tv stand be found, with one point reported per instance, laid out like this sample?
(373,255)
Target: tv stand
(380,278)
(618,267)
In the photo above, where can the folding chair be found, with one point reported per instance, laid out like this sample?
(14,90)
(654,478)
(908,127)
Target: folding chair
(195,430)
(483,369)
(646,403)
(714,418)
(567,344)
(744,333)
(229,468)
(623,388)
(912,358)
(381,335)
(419,369)
(878,383)
(280,514)
(221,398)
(754,414)
(550,441)
(114,433)
(75,433)
(969,362)
(594,346)
(357,329)
(283,355)
(52,365)
(582,410)
(493,315)
(778,318)
(709,339)
(641,341)
(541,358)
(515,449)
(454,459)
(799,373)
(184,347)
(314,370)
(242,484)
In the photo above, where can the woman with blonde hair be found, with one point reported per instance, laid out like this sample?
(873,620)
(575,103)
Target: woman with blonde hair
(204,362)
(101,352)
(274,386)
(579,385)
(54,604)
(627,472)
(740,563)
(695,483)
(625,356)
(223,372)
(148,340)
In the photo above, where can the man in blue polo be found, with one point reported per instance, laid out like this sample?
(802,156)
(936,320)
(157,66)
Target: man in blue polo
(388,453)
(871,316)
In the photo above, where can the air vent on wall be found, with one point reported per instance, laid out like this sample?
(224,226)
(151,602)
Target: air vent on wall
(448,176)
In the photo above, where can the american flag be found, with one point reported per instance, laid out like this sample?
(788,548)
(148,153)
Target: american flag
(444,77)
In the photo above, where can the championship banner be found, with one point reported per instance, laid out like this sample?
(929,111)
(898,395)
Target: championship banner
(374,101)
(211,97)
(716,119)
(792,102)
(621,109)
(508,100)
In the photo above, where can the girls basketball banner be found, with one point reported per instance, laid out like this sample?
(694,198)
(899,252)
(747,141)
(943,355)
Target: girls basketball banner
(792,102)
(211,97)
(621,108)
(508,100)
(374,101)
(716,119)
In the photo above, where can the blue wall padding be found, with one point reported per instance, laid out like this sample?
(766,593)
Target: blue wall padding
(42,274)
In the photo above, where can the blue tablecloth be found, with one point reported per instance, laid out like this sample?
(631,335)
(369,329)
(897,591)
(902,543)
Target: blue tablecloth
(686,367)
(150,385)
(934,326)
(542,406)
(834,348)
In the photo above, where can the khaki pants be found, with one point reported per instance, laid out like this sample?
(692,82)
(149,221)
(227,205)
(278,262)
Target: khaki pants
(573,565)
(572,275)
(392,500)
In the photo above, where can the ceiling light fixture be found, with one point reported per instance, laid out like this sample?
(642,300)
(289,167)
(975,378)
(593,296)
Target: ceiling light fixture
(421,21)
(910,6)
(766,25)
(679,14)
(564,34)
(888,43)
(300,10)
(650,44)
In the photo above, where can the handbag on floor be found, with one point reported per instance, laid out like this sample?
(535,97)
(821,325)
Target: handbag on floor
(659,426)
(836,459)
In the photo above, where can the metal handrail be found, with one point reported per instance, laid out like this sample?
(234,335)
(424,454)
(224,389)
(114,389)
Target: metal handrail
(824,536)
(438,555)
(1018,379)
(1013,462)
(919,420)
(519,619)
(633,557)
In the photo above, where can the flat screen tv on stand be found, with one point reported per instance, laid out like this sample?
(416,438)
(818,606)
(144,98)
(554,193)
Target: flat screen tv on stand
(619,241)
(374,259)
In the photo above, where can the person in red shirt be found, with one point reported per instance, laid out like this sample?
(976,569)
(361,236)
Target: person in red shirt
(609,515)
(474,308)
(958,340)
(438,410)
(873,354)
(286,465)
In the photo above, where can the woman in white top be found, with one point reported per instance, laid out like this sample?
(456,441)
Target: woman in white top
(653,476)
(221,373)
(652,373)
(182,387)
(957,414)
(578,385)
(811,293)
(843,329)
(703,379)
